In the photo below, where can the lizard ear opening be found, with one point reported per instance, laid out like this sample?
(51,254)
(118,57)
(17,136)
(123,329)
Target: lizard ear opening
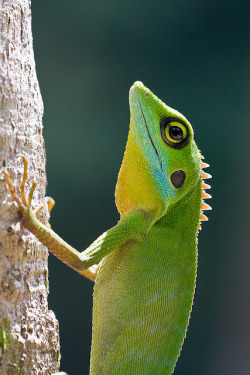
(178,178)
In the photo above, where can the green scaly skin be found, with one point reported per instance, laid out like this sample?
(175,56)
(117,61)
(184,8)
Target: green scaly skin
(146,277)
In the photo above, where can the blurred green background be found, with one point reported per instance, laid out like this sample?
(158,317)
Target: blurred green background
(194,55)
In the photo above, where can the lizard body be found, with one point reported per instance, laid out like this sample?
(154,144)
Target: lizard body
(145,280)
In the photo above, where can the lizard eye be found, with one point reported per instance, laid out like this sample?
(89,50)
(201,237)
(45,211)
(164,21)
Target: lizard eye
(174,133)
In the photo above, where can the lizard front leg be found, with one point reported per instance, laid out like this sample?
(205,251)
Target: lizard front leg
(37,226)
(133,226)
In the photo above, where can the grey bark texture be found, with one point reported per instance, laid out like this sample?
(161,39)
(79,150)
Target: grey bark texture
(29,341)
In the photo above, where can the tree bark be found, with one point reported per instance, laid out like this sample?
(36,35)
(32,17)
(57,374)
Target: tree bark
(29,341)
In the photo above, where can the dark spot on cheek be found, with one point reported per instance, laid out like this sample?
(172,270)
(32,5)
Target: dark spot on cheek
(177,178)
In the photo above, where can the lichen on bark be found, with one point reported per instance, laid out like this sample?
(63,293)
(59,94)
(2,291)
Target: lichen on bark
(32,346)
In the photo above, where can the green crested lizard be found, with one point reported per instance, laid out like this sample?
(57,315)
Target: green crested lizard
(145,267)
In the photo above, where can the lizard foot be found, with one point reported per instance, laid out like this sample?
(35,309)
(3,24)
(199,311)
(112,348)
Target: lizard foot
(23,203)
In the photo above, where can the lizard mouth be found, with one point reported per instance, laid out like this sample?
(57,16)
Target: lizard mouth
(149,135)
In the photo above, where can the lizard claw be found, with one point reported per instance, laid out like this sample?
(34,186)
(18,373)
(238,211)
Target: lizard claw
(25,174)
(50,202)
(38,209)
(12,190)
(36,212)
(34,183)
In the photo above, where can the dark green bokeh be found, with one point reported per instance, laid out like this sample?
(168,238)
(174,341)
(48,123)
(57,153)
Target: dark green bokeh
(194,56)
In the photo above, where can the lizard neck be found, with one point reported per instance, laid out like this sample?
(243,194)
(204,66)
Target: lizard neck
(182,218)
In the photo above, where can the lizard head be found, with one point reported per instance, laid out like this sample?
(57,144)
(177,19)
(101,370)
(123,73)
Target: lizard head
(161,162)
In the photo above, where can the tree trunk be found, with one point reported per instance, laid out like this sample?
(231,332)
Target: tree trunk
(29,341)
